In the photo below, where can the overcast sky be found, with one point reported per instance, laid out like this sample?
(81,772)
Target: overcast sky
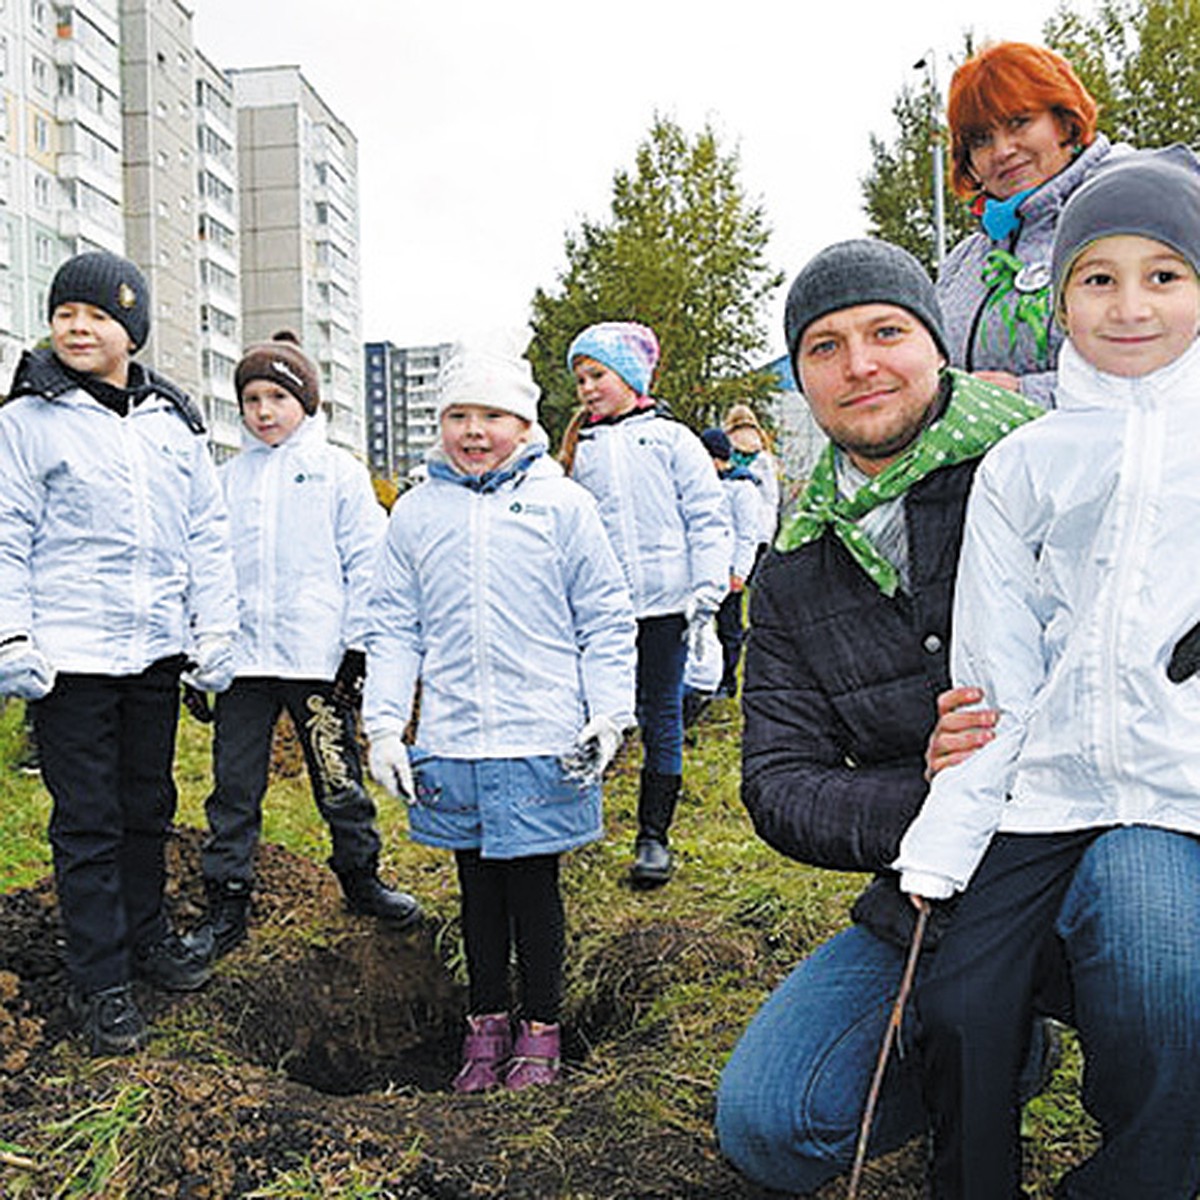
(487,130)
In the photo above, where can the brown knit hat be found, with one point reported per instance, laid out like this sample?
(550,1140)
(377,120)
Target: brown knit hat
(282,362)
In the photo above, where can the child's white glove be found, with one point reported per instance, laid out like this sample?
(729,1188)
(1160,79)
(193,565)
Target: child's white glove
(387,759)
(595,747)
(24,670)
(701,608)
(211,667)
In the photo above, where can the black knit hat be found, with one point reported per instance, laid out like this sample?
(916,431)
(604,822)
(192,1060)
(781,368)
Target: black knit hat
(1148,193)
(717,443)
(862,271)
(109,282)
(282,362)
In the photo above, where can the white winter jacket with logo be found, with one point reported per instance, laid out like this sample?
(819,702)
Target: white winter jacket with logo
(306,535)
(1077,579)
(662,506)
(510,607)
(114,541)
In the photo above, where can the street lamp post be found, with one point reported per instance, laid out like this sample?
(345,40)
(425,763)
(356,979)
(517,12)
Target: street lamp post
(928,63)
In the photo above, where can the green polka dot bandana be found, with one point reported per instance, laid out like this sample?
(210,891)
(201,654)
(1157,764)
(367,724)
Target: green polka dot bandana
(976,417)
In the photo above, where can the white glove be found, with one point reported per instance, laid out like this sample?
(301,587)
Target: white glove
(211,667)
(387,759)
(24,670)
(595,747)
(699,611)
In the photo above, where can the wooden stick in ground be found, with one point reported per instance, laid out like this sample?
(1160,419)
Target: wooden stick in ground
(885,1049)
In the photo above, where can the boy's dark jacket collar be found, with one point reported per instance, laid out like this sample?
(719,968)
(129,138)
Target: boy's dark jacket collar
(40,373)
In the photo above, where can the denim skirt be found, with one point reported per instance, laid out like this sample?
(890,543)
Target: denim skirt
(502,807)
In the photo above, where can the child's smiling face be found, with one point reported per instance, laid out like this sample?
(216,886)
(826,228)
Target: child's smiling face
(478,438)
(88,340)
(601,390)
(270,412)
(1132,305)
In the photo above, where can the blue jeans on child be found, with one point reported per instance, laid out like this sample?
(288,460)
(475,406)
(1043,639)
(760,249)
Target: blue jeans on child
(661,657)
(791,1097)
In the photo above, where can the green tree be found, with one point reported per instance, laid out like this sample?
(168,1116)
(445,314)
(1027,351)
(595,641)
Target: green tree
(1140,59)
(898,190)
(683,251)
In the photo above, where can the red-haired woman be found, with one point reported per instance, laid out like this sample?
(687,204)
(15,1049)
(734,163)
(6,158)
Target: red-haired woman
(1023,138)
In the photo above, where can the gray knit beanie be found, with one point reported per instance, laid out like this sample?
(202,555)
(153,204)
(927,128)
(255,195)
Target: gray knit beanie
(109,282)
(1147,193)
(862,271)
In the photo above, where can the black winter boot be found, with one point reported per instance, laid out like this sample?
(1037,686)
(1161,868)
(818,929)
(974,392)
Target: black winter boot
(657,798)
(228,909)
(368,896)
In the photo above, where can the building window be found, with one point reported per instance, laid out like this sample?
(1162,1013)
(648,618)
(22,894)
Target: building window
(39,73)
(41,191)
(41,134)
(44,250)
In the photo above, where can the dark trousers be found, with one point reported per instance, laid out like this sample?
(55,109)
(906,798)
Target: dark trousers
(661,657)
(107,744)
(245,721)
(507,902)
(731,632)
(975,1003)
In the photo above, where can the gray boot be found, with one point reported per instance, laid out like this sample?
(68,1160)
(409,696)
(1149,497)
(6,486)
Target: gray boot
(656,806)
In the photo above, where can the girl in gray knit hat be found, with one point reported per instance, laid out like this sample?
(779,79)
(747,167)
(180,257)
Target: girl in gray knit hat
(1078,616)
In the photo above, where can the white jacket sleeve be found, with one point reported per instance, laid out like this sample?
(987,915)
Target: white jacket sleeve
(361,525)
(997,647)
(705,518)
(746,510)
(605,627)
(212,589)
(20,511)
(394,637)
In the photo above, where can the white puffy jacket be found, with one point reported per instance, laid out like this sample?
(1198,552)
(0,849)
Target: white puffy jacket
(1076,581)
(114,541)
(661,504)
(306,535)
(510,607)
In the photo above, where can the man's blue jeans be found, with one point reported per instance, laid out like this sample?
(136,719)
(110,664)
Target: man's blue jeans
(791,1096)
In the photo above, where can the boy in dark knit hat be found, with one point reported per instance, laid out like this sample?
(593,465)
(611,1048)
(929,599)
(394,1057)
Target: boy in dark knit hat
(115,569)
(306,534)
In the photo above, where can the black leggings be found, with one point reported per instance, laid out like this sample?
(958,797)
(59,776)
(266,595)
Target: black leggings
(507,901)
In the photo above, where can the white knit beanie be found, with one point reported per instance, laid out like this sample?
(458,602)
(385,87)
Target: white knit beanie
(491,373)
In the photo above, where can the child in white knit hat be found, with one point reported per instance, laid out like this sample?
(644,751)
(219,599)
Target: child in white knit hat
(498,590)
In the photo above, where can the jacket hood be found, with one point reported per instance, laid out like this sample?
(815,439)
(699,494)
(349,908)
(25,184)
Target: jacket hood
(1082,386)
(40,373)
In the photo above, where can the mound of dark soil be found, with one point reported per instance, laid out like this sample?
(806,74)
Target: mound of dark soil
(320,1054)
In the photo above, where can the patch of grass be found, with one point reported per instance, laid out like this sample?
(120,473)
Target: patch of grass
(25,811)
(308,1182)
(93,1152)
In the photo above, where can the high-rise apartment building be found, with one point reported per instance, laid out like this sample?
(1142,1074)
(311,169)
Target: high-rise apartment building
(401,405)
(220,299)
(298,178)
(158,106)
(60,153)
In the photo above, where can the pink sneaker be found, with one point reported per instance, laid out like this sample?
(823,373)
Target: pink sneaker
(535,1058)
(486,1050)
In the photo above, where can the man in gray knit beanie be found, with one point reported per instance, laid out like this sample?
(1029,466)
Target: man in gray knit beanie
(848,649)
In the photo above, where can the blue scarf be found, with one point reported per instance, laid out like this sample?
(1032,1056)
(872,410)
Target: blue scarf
(999,217)
(489,481)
